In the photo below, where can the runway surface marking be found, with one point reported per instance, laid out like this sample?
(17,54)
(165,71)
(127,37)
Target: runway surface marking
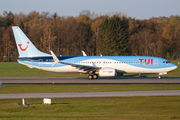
(93,94)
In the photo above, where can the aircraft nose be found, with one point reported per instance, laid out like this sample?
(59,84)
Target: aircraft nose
(173,66)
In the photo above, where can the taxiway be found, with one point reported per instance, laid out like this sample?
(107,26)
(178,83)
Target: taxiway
(93,94)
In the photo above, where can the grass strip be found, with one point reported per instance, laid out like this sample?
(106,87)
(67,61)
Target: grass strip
(46,88)
(126,108)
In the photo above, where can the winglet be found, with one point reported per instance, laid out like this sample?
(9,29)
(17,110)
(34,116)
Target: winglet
(55,58)
(84,54)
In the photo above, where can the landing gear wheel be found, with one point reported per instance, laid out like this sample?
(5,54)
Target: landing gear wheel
(95,76)
(90,77)
(159,77)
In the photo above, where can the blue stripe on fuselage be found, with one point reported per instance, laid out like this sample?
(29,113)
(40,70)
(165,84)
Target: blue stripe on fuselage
(138,61)
(45,58)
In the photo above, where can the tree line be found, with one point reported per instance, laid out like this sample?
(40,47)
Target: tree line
(109,34)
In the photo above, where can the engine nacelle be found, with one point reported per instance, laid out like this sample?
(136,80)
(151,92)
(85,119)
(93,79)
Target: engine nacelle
(107,72)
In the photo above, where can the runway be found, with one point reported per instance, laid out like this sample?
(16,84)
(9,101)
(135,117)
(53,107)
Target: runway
(93,94)
(82,80)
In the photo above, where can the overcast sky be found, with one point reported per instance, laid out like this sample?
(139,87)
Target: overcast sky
(140,9)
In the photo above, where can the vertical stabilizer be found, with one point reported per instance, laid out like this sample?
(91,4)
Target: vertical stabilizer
(25,47)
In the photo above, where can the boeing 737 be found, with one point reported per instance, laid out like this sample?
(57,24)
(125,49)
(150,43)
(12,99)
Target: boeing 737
(103,66)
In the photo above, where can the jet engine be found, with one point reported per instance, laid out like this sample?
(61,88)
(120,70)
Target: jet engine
(107,72)
(120,74)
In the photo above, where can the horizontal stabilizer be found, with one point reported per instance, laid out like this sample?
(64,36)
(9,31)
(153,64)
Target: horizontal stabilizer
(18,58)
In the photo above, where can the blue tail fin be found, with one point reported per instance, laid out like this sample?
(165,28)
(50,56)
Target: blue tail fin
(25,47)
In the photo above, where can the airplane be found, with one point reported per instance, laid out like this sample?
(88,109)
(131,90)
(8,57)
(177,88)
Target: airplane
(95,66)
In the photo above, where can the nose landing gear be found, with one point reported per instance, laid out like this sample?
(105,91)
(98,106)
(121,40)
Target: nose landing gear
(159,77)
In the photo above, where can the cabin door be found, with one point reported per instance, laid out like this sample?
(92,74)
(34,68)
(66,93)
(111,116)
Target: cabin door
(40,63)
(156,63)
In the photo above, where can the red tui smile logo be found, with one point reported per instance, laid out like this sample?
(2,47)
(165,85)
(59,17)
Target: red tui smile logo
(22,48)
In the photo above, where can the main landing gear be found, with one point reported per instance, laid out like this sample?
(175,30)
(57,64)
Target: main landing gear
(93,76)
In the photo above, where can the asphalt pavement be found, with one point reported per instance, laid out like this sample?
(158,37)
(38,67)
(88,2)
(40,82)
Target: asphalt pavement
(93,94)
(82,80)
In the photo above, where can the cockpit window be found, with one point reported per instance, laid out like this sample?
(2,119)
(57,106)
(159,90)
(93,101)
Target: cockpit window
(166,62)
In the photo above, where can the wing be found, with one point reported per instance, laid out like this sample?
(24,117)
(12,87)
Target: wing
(85,68)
